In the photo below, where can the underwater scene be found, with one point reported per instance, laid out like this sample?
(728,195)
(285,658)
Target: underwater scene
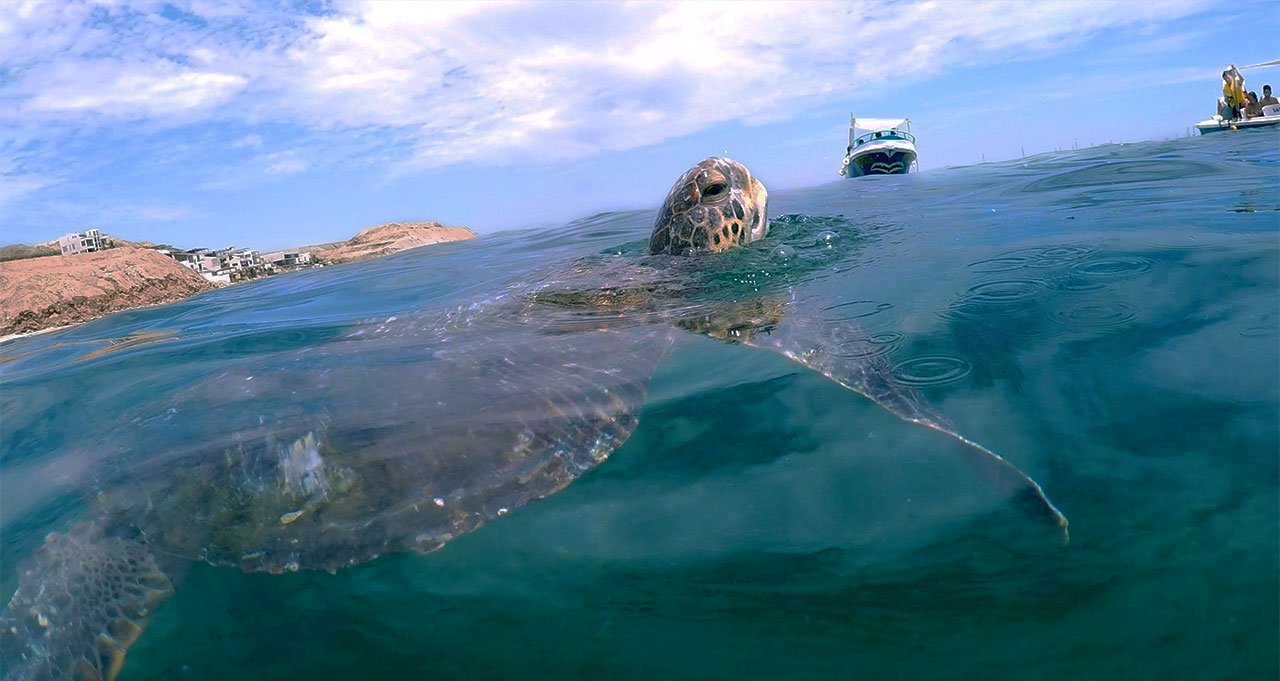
(692,496)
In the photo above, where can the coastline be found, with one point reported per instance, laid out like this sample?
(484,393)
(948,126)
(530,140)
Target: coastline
(40,332)
(28,334)
(56,292)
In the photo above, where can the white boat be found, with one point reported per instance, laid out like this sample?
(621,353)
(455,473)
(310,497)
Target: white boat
(879,146)
(1270,116)
(1219,122)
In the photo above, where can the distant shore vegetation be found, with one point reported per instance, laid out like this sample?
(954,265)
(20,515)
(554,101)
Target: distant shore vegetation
(23,251)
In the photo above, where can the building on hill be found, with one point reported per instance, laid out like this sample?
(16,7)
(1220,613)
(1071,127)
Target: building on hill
(87,241)
(209,263)
(222,265)
(287,259)
(240,258)
(186,258)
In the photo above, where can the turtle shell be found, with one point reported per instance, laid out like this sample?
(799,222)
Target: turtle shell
(401,434)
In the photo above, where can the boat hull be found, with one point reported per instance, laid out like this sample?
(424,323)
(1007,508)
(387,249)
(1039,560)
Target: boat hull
(895,160)
(1216,125)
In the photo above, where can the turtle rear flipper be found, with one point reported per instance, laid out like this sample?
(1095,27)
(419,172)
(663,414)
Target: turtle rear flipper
(843,354)
(82,601)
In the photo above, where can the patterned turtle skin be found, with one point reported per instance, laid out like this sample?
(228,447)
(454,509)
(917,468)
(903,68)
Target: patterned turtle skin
(405,433)
(714,206)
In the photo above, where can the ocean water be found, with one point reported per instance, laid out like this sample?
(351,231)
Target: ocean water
(1108,319)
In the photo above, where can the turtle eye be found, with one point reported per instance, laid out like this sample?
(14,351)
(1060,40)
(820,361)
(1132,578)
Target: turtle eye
(714,189)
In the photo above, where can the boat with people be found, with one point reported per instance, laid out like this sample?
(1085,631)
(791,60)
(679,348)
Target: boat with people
(879,146)
(1270,117)
(1240,109)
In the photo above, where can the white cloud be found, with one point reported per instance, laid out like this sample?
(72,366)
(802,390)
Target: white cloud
(491,82)
(113,213)
(284,163)
(14,187)
(109,88)
(16,182)
(155,213)
(487,82)
(963,111)
(248,141)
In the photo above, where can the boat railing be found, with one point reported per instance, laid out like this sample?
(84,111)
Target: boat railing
(892,134)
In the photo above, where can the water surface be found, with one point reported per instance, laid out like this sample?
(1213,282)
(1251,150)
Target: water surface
(1108,319)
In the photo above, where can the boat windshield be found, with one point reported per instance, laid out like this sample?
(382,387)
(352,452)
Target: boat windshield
(891,134)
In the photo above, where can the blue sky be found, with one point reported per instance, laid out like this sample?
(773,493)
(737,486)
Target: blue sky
(203,123)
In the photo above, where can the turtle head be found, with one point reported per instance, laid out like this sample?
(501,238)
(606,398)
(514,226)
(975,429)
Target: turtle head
(714,206)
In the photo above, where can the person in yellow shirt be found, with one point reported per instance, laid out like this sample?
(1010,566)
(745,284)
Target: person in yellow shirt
(1232,92)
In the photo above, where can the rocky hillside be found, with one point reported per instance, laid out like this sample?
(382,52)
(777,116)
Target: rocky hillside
(23,251)
(42,293)
(39,293)
(389,238)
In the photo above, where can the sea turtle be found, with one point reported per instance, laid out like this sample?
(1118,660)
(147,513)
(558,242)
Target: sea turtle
(404,433)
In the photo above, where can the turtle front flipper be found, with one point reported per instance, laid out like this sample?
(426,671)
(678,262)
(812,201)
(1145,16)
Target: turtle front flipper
(82,601)
(733,322)
(844,355)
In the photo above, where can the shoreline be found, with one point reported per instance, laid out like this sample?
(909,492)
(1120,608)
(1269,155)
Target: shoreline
(69,290)
(40,332)
(28,334)
(59,291)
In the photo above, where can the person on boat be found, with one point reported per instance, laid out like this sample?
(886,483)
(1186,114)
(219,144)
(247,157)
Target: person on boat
(1267,98)
(1252,109)
(1237,77)
(1232,94)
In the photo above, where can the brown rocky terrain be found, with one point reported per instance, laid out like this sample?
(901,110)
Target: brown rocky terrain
(52,291)
(23,251)
(388,238)
(45,292)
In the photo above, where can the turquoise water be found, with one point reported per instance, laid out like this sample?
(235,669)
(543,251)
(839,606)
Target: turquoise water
(1108,319)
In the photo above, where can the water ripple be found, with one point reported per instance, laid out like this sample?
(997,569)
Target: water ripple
(931,370)
(1077,284)
(1113,268)
(1260,332)
(856,309)
(1004,298)
(1110,173)
(1038,257)
(874,345)
(1005,291)
(1097,315)
(1004,263)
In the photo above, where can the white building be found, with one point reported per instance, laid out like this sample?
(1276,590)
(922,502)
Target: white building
(81,242)
(240,258)
(288,258)
(220,266)
(209,263)
(189,259)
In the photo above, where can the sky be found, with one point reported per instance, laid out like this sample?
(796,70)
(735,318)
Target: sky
(272,124)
